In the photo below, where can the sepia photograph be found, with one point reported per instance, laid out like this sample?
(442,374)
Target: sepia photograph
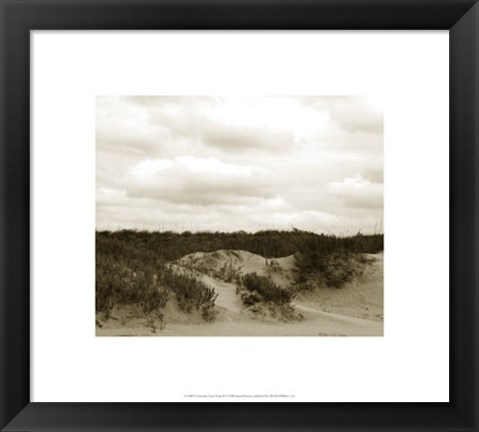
(239,216)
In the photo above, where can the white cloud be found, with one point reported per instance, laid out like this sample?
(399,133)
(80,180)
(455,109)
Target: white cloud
(195,180)
(358,192)
(211,163)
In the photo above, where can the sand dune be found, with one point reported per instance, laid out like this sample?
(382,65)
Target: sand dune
(354,310)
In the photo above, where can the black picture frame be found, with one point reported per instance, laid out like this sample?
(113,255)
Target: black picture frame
(19,17)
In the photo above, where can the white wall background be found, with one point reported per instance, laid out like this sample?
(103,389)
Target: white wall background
(405,71)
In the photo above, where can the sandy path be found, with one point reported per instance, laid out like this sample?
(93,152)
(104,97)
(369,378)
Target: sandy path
(227,298)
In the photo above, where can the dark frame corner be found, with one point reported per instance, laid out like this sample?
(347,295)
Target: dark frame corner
(18,17)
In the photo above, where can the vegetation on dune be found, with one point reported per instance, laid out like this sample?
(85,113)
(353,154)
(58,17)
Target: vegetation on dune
(118,284)
(191,294)
(262,288)
(333,263)
(264,298)
(119,281)
(132,267)
(209,264)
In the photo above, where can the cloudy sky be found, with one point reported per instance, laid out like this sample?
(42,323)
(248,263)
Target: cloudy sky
(231,163)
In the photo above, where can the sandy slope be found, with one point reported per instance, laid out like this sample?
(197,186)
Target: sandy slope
(354,310)
(361,299)
(227,301)
(317,323)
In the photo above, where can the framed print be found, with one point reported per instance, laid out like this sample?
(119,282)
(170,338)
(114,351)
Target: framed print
(221,250)
(229,215)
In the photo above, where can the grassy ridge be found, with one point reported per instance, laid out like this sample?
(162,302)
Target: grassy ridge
(168,246)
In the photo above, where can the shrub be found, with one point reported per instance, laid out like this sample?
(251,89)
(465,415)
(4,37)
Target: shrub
(117,284)
(267,310)
(250,298)
(331,268)
(228,273)
(261,288)
(190,292)
(153,296)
